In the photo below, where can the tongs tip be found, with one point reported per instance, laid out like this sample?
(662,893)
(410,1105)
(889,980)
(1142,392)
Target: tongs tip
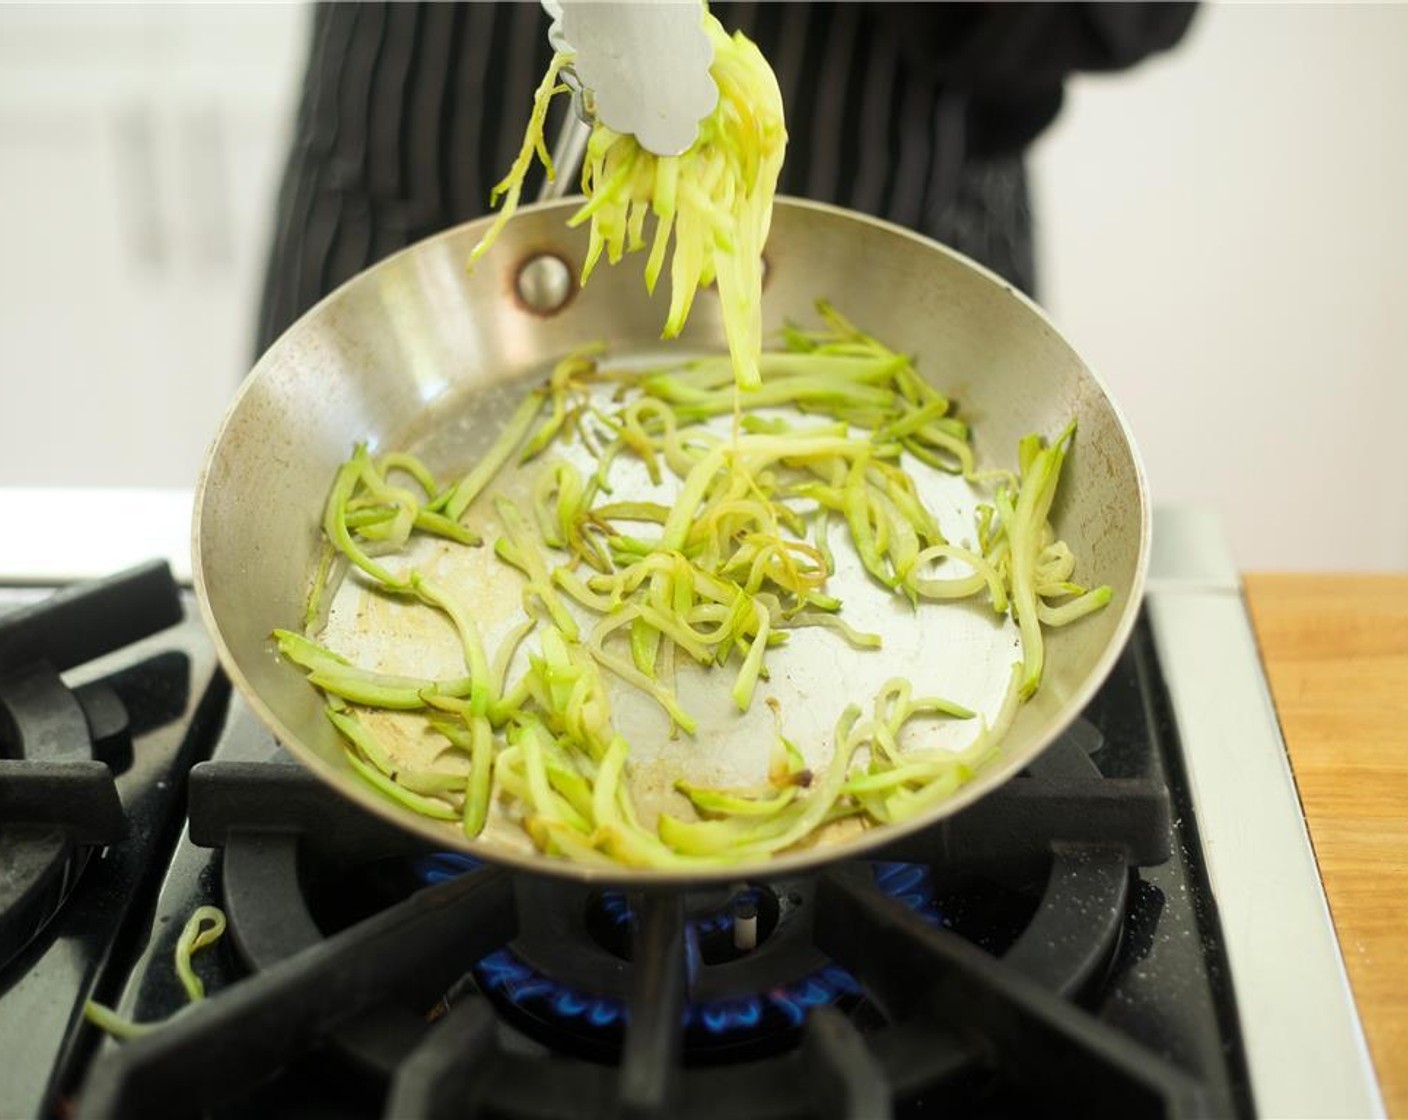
(641,69)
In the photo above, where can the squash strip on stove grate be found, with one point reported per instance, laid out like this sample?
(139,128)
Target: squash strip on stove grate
(250,1029)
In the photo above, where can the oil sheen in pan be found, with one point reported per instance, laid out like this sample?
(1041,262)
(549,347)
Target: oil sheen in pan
(961,650)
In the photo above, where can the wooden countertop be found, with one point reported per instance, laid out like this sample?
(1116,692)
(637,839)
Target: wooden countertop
(1336,653)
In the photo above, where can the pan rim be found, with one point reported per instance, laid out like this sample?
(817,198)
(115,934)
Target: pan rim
(787,864)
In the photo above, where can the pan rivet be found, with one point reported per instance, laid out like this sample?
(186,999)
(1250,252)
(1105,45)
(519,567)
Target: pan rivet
(545,284)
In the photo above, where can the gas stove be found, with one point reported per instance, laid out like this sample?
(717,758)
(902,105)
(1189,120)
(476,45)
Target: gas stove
(1133,926)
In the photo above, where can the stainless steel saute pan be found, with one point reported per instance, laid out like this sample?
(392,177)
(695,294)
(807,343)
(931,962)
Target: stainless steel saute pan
(415,353)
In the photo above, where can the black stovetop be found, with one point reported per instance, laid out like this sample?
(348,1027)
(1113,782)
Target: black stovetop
(1053,947)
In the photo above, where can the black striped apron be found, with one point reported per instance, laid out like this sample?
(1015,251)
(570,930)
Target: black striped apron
(411,112)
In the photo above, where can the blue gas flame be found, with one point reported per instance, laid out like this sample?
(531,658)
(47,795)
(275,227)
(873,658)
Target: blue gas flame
(502,972)
(439,866)
(910,883)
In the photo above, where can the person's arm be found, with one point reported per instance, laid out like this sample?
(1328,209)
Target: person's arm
(1010,60)
(1013,48)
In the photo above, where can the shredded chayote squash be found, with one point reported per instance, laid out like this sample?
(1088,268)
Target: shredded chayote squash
(711,206)
(205,926)
(737,562)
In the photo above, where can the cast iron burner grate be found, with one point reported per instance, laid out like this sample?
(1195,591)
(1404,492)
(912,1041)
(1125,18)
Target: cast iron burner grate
(99,725)
(756,973)
(562,983)
(58,746)
(405,991)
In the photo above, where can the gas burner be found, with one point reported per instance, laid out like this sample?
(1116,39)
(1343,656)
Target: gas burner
(369,987)
(564,980)
(537,997)
(761,922)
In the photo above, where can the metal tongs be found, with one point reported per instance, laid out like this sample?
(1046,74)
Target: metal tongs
(640,67)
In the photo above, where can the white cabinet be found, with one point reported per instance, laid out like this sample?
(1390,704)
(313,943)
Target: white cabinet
(140,152)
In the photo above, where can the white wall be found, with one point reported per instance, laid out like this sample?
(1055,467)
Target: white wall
(1225,238)
(140,147)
